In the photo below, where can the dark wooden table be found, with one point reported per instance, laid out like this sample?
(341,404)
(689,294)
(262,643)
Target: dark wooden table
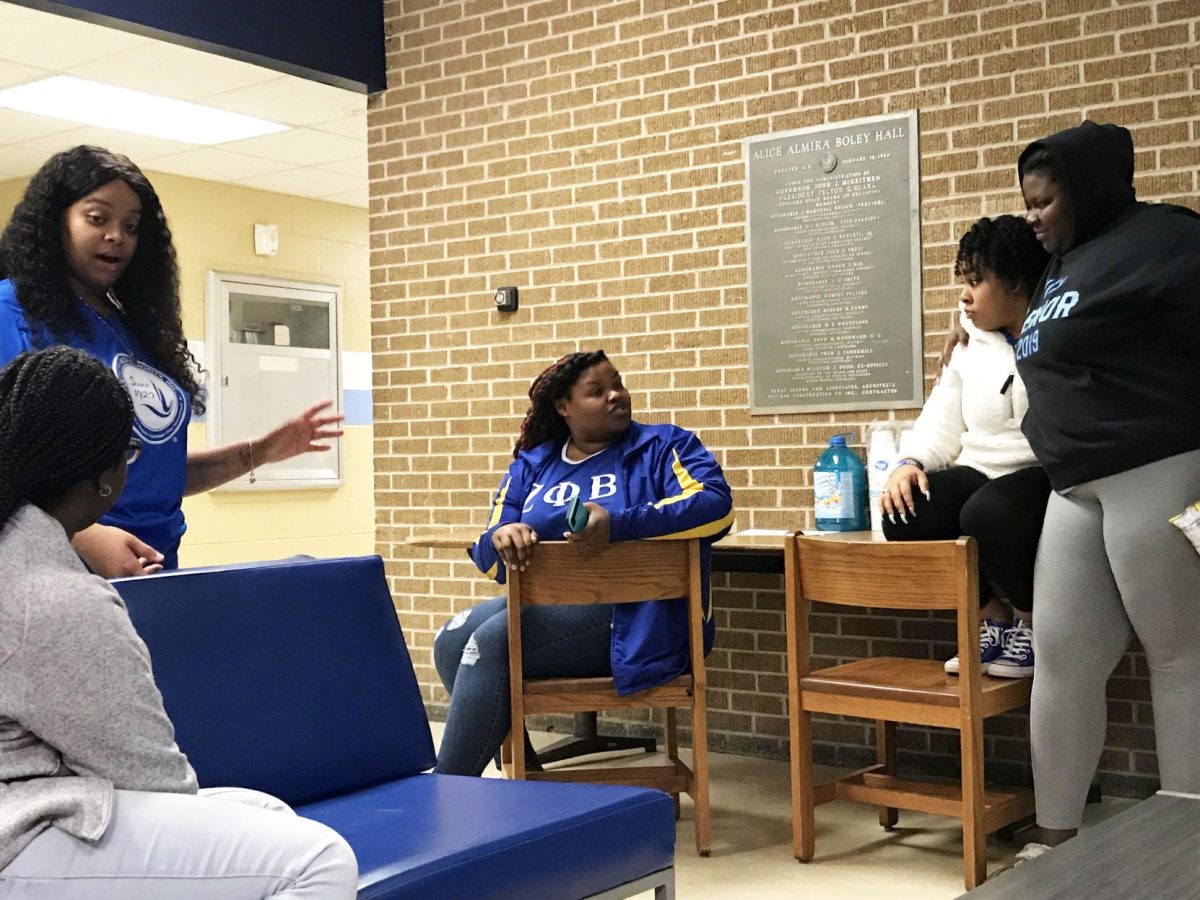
(1149,852)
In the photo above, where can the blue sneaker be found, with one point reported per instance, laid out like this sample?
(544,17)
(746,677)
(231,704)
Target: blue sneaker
(991,645)
(1017,659)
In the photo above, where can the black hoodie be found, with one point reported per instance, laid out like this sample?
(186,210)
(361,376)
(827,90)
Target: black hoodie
(1108,352)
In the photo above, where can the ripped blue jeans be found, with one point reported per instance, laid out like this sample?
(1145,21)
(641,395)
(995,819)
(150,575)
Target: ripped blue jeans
(471,655)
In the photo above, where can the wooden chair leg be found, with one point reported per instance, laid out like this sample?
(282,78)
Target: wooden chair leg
(885,755)
(506,757)
(700,775)
(974,837)
(673,749)
(803,799)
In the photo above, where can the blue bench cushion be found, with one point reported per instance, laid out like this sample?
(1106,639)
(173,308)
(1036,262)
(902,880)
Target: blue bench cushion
(447,836)
(289,677)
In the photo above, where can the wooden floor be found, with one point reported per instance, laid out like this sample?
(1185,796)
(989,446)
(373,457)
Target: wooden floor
(1150,851)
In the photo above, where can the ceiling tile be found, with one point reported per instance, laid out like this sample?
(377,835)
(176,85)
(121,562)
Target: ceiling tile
(137,147)
(50,41)
(301,146)
(19,127)
(18,162)
(351,127)
(14,73)
(292,101)
(305,182)
(37,44)
(213,164)
(350,198)
(179,72)
(356,166)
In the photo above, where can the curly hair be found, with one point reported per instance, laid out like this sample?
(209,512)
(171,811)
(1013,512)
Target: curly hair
(542,421)
(32,255)
(1006,247)
(64,417)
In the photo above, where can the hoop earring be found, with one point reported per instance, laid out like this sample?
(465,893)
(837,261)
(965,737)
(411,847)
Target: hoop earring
(106,490)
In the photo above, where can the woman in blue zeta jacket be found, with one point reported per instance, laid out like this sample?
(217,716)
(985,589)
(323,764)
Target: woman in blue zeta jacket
(578,441)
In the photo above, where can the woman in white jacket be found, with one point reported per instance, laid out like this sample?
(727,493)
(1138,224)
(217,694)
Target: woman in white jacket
(966,466)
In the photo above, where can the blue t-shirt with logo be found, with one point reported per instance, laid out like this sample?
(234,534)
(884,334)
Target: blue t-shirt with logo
(595,479)
(151,504)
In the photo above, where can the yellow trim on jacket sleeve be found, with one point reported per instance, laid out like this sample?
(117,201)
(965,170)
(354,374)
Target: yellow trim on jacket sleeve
(688,487)
(687,484)
(699,531)
(499,506)
(491,573)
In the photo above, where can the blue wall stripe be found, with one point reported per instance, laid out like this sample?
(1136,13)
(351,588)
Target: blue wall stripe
(357,407)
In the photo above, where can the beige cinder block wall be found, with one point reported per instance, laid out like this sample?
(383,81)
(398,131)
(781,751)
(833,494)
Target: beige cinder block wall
(590,152)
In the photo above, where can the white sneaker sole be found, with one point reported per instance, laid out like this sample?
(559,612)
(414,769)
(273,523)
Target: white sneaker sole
(1000,671)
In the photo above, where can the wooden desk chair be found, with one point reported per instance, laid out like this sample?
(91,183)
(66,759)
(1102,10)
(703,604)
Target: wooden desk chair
(857,571)
(626,572)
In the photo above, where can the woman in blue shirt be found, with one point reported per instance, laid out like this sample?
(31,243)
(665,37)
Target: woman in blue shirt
(87,260)
(579,442)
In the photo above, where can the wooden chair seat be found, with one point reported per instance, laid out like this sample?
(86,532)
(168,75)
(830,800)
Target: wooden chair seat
(889,679)
(859,570)
(626,572)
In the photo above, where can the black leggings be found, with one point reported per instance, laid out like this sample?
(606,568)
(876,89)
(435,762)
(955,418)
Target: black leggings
(1003,514)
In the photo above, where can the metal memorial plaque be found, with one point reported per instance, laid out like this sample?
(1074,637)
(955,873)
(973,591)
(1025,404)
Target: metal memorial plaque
(835,267)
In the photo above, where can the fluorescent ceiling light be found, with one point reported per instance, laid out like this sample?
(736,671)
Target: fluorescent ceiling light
(95,103)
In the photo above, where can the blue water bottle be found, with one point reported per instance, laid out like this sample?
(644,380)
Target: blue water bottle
(840,489)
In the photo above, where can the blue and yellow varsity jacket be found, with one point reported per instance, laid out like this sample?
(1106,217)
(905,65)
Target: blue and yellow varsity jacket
(672,489)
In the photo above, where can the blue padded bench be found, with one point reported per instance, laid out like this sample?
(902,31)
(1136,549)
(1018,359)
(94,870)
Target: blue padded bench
(293,678)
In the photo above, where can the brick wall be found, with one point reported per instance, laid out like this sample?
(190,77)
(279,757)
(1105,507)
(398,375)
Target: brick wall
(590,152)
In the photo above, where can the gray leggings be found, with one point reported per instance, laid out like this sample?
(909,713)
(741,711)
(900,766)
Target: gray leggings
(1109,565)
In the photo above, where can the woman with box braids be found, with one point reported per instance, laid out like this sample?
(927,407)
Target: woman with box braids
(579,448)
(87,260)
(98,802)
(542,421)
(63,419)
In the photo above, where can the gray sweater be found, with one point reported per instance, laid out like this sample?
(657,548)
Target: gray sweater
(79,711)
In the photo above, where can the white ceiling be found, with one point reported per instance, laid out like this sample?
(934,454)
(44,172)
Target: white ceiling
(323,156)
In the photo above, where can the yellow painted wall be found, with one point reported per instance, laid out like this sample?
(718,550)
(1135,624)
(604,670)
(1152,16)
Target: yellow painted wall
(10,193)
(323,242)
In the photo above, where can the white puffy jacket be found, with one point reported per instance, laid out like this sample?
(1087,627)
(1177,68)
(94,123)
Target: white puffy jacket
(968,419)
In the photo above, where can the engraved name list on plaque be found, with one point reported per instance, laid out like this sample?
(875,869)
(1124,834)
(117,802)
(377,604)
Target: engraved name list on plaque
(835,267)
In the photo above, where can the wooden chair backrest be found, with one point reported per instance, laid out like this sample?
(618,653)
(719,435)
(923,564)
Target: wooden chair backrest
(882,574)
(625,572)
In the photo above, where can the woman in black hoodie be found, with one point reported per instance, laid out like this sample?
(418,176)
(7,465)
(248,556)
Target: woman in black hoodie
(1108,356)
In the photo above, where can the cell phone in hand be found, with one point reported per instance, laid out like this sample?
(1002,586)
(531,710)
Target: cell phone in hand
(577,516)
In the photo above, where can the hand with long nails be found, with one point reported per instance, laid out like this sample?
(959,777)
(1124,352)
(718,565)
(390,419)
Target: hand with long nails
(897,498)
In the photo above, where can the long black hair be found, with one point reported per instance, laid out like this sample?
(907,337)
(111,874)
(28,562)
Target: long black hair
(64,417)
(542,421)
(32,255)
(1005,246)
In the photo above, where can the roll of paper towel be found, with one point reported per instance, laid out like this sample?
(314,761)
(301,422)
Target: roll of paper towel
(883,442)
